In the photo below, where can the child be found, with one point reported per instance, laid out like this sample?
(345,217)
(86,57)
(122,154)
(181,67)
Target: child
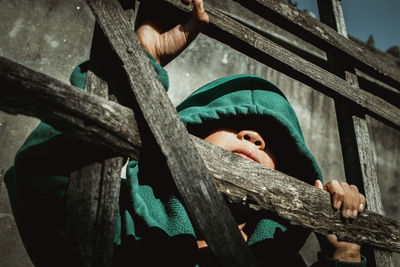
(243,114)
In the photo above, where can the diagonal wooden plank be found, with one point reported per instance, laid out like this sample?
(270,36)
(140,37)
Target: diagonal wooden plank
(304,26)
(113,127)
(70,107)
(260,48)
(301,48)
(353,130)
(200,195)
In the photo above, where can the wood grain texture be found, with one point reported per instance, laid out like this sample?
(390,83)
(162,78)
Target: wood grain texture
(92,201)
(301,204)
(107,212)
(82,205)
(205,205)
(353,129)
(247,41)
(38,93)
(262,188)
(370,181)
(301,48)
(324,37)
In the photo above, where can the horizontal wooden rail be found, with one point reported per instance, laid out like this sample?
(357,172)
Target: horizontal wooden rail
(319,34)
(112,126)
(243,39)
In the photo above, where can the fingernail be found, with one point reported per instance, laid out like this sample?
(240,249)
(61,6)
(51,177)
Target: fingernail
(338,204)
(348,213)
(355,213)
(361,207)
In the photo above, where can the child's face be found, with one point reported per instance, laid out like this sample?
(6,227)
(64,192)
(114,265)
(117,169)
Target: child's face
(246,143)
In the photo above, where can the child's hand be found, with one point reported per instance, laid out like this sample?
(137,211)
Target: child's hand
(164,37)
(347,198)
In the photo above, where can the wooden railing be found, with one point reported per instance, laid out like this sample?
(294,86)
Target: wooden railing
(150,120)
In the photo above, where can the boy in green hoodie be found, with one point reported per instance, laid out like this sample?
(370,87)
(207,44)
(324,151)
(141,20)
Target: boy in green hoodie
(243,114)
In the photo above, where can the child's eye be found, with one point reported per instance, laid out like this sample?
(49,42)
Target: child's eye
(257,143)
(246,137)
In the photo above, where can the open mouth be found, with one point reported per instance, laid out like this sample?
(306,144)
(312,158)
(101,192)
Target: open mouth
(246,154)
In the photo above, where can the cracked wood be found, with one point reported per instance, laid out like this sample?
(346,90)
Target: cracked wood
(249,42)
(113,127)
(161,125)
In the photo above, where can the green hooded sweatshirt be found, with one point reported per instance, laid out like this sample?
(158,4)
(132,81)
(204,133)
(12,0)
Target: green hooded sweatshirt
(152,225)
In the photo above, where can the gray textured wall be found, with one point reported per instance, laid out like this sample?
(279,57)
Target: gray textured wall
(54,36)
(47,36)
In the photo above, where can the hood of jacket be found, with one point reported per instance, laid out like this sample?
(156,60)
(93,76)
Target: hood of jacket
(253,102)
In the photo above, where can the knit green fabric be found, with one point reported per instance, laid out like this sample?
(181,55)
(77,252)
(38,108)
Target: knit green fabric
(152,224)
(331,262)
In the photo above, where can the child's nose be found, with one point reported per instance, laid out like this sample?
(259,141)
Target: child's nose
(253,137)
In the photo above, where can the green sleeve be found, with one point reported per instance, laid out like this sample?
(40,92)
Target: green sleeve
(331,262)
(38,181)
(161,72)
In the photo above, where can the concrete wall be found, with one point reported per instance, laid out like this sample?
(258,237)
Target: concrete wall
(47,36)
(54,36)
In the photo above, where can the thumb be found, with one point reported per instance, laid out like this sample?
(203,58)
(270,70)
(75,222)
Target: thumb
(199,13)
(197,22)
(318,184)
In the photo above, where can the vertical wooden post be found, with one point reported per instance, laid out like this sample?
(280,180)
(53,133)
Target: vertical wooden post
(93,193)
(353,131)
(92,203)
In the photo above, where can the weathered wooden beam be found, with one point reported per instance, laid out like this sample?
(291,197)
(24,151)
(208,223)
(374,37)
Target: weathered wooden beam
(260,48)
(353,130)
(76,108)
(113,127)
(378,88)
(92,203)
(266,28)
(300,47)
(321,35)
(301,204)
(93,191)
(161,125)
(82,205)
